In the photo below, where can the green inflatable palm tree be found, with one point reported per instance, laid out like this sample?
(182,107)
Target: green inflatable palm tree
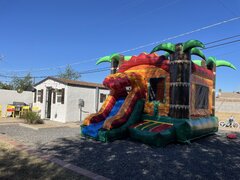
(114,59)
(212,61)
(189,46)
(180,73)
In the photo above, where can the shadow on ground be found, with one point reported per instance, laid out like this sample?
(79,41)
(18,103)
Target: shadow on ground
(213,157)
(18,165)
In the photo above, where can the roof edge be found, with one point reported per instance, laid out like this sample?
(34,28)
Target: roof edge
(72,82)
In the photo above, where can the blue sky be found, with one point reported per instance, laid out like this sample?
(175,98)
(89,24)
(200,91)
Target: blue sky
(50,34)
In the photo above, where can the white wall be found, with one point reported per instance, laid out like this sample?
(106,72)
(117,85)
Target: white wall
(76,93)
(231,107)
(8,96)
(88,95)
(58,110)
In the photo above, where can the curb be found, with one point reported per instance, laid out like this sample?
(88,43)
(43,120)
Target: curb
(39,128)
(28,126)
(21,147)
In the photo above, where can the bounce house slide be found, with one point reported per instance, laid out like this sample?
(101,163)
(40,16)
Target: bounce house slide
(92,129)
(114,113)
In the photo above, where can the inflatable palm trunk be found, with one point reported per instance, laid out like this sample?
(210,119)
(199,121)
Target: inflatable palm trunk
(158,99)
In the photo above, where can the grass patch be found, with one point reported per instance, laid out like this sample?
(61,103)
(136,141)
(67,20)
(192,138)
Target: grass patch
(19,165)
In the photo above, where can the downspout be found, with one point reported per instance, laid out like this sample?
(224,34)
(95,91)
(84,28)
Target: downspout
(96,99)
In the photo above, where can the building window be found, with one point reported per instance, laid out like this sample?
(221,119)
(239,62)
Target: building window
(59,95)
(40,95)
(102,97)
(201,97)
(156,91)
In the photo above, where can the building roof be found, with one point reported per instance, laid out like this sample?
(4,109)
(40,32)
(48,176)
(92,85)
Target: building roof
(73,82)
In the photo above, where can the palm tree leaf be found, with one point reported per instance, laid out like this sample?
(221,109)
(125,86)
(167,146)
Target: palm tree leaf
(169,47)
(191,44)
(198,62)
(225,63)
(198,52)
(127,58)
(104,59)
(166,54)
(115,56)
(211,61)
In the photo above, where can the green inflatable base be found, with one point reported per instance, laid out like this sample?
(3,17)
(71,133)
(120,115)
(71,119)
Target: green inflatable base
(153,138)
(182,130)
(159,130)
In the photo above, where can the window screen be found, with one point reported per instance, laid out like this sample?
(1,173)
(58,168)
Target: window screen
(201,97)
(156,89)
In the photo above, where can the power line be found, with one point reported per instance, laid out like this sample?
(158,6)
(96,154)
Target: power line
(183,34)
(81,72)
(222,44)
(231,37)
(107,68)
(139,47)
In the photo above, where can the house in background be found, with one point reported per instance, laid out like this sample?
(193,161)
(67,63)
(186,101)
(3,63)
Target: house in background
(66,100)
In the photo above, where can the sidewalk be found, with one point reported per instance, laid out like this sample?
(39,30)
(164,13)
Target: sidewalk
(47,123)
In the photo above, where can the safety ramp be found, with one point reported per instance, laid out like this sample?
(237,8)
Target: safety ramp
(160,131)
(153,132)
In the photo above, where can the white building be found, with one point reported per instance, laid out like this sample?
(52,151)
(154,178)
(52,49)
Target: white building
(61,99)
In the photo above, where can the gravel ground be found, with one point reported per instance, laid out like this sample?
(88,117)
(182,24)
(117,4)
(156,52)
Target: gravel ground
(37,137)
(212,157)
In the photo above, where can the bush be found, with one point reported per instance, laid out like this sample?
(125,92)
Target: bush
(32,118)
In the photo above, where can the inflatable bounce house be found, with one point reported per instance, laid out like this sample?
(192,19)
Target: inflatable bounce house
(158,99)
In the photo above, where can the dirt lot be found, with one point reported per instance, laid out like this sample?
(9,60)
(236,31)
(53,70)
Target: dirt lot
(19,165)
(223,116)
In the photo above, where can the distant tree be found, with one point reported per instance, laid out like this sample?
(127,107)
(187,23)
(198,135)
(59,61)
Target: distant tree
(22,84)
(6,86)
(69,73)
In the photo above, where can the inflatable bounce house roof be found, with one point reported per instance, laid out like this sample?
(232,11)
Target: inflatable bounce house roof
(158,99)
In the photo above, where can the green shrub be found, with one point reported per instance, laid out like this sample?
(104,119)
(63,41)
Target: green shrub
(32,118)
